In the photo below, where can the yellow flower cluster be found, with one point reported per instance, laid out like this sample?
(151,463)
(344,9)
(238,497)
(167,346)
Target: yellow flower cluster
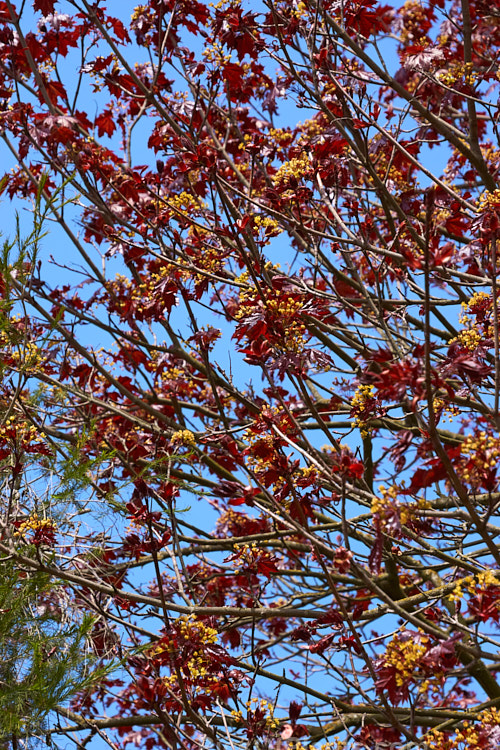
(267,223)
(486,578)
(247,138)
(297,167)
(184,437)
(308,472)
(386,505)
(189,628)
(34,523)
(383,161)
(451,409)
(154,279)
(265,707)
(283,305)
(195,667)
(284,310)
(458,71)
(488,199)
(470,338)
(118,285)
(477,296)
(266,444)
(228,519)
(248,553)
(415,16)
(315,126)
(482,452)
(458,591)
(362,395)
(185,202)
(221,4)
(474,584)
(208,259)
(173,373)
(121,280)
(388,500)
(300,11)
(468,736)
(244,277)
(142,293)
(279,135)
(27,357)
(403,654)
(215,54)
(139,11)
(27,433)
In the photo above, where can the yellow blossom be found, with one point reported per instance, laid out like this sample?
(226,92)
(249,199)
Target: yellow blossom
(184,437)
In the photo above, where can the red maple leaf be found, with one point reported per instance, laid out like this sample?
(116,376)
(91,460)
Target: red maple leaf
(44,6)
(105,123)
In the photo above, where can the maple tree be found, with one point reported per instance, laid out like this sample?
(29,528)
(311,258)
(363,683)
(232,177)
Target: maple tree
(249,410)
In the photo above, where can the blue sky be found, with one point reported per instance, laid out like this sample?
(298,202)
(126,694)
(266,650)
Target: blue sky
(56,244)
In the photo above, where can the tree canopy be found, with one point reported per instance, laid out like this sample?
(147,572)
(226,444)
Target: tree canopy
(250,374)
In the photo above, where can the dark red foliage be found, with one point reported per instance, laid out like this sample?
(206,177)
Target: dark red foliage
(250,367)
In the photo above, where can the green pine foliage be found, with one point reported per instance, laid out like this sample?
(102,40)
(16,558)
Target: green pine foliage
(44,657)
